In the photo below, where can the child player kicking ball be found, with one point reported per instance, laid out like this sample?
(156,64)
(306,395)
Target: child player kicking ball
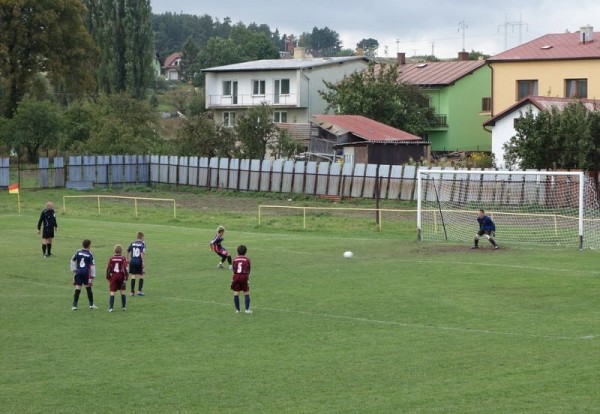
(217,247)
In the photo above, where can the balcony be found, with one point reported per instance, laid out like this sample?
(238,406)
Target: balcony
(245,101)
(440,122)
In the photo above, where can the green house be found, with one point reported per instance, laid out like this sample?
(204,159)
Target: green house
(459,91)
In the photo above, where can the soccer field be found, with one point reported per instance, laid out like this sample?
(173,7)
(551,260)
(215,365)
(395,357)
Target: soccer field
(402,326)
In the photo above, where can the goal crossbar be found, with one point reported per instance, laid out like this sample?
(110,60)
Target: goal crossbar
(135,201)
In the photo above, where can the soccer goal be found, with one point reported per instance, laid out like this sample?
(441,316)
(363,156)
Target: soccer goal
(544,208)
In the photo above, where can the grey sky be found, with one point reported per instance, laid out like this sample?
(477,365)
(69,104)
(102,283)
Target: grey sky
(415,27)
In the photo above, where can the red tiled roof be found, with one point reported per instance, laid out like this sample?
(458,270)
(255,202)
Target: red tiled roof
(555,46)
(298,131)
(171,59)
(362,127)
(543,103)
(437,73)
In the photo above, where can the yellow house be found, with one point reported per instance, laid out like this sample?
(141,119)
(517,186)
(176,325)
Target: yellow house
(563,65)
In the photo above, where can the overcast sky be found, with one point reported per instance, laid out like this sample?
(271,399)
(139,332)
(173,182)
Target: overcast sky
(415,27)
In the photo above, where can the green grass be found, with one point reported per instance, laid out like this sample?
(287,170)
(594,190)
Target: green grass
(401,327)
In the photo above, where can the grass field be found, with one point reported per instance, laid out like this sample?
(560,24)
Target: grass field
(401,327)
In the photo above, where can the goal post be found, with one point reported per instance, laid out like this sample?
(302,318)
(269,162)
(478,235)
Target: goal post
(536,207)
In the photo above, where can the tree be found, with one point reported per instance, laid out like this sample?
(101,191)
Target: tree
(43,36)
(376,93)
(321,42)
(120,124)
(554,139)
(188,67)
(36,125)
(369,46)
(255,130)
(199,137)
(284,145)
(123,32)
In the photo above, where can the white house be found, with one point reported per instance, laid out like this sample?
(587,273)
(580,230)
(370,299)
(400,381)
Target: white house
(290,86)
(503,125)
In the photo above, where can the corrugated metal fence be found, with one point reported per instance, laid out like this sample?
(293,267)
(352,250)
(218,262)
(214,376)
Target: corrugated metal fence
(323,178)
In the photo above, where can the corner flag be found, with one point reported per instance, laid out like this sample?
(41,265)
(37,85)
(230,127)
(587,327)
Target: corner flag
(13,189)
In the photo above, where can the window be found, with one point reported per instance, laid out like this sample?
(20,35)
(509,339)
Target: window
(229,119)
(226,88)
(526,88)
(279,116)
(486,104)
(282,87)
(576,88)
(258,87)
(285,87)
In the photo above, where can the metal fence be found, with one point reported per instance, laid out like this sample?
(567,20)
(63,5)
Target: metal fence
(316,178)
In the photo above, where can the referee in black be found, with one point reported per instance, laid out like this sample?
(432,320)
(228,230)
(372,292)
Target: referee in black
(48,221)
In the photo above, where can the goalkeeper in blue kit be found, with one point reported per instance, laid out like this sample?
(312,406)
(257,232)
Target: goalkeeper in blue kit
(487,228)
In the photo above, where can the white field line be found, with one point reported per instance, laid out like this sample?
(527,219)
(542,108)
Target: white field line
(399,324)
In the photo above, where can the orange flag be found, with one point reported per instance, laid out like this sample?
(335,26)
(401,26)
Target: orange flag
(13,189)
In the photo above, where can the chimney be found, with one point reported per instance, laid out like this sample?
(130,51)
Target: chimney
(586,34)
(299,53)
(463,55)
(401,58)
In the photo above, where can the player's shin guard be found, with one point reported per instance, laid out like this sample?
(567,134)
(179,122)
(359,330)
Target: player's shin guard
(133,285)
(141,284)
(44,249)
(49,248)
(123,300)
(229,259)
(236,302)
(247,301)
(111,302)
(90,294)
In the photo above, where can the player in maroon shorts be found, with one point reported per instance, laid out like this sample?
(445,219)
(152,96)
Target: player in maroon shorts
(215,245)
(116,273)
(240,281)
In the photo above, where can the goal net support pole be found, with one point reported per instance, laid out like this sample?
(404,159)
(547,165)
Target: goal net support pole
(538,207)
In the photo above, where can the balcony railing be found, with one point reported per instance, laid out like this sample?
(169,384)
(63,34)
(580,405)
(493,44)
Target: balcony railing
(241,100)
(440,121)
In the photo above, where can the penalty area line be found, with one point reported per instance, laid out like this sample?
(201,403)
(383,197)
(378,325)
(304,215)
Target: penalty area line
(400,324)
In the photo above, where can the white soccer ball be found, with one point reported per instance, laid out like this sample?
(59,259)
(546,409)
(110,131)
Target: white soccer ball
(348,254)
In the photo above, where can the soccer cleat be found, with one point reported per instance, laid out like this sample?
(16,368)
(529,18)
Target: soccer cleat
(237,311)
(474,247)
(110,309)
(140,293)
(123,309)
(45,256)
(230,267)
(73,307)
(220,266)
(496,247)
(131,293)
(248,311)
(93,307)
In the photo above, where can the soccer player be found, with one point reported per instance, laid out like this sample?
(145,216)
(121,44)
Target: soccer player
(215,245)
(116,273)
(136,253)
(487,228)
(240,281)
(48,221)
(84,272)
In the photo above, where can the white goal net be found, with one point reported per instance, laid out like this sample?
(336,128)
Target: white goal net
(545,208)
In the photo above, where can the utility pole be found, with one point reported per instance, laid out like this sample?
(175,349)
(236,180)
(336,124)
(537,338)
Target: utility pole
(462,26)
(432,49)
(512,25)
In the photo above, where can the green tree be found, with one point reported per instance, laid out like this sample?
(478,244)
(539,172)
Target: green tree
(376,93)
(284,145)
(255,130)
(200,137)
(321,42)
(120,124)
(369,46)
(36,125)
(554,138)
(43,36)
(188,67)
(123,32)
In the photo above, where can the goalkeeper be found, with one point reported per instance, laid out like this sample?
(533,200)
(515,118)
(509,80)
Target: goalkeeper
(487,228)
